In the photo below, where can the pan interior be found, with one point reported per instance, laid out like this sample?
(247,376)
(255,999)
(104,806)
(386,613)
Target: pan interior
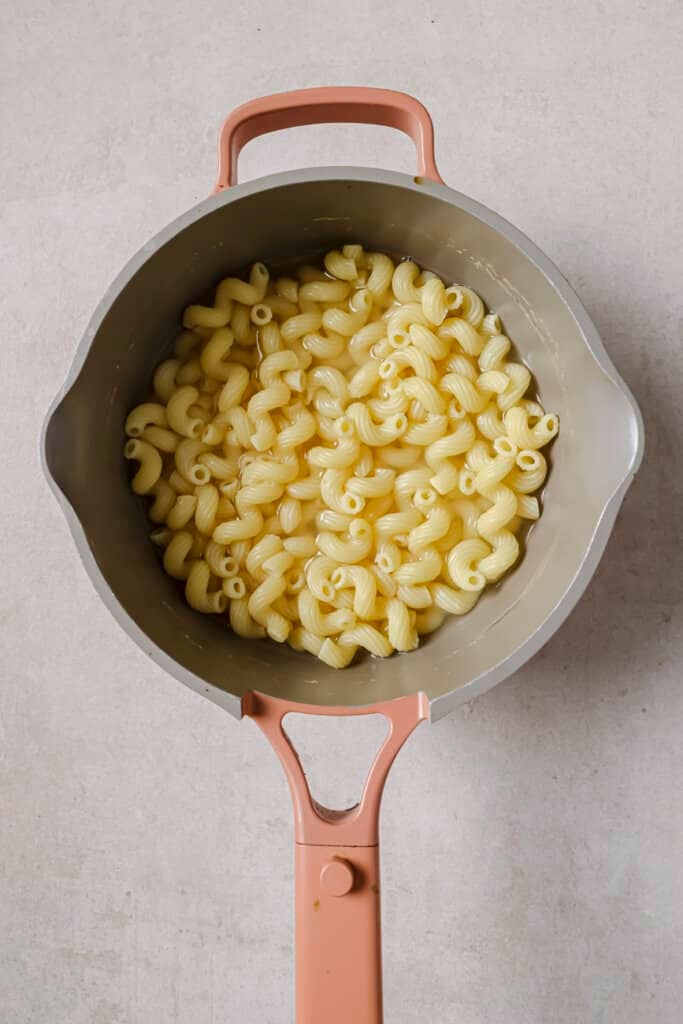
(593,456)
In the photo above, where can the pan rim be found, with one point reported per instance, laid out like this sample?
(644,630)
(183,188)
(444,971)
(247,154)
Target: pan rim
(527,647)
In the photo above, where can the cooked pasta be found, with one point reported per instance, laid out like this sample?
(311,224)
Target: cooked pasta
(340,458)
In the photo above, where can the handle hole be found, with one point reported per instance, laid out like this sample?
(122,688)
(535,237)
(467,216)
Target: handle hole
(327,145)
(336,753)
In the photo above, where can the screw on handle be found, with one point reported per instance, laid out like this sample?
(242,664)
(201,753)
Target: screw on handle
(329,105)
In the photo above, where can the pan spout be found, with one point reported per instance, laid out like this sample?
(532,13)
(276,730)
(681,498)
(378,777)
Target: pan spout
(59,447)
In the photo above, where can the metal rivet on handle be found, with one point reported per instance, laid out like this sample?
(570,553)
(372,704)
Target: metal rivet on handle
(337,877)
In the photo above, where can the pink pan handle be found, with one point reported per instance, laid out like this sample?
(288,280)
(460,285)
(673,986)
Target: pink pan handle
(338,932)
(330,105)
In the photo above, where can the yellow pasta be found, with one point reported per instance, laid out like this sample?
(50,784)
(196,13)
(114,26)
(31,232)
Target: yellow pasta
(176,553)
(331,519)
(234,588)
(381,273)
(345,452)
(178,412)
(208,498)
(375,486)
(241,621)
(161,438)
(245,527)
(313,619)
(186,458)
(472,307)
(424,569)
(288,288)
(364,584)
(339,459)
(290,514)
(324,291)
(164,499)
(429,620)
(400,322)
(489,423)
(426,433)
(297,326)
(164,380)
(248,294)
(367,636)
(150,467)
(219,561)
(219,467)
(260,607)
(462,561)
(302,428)
(280,306)
(336,655)
(530,473)
(205,316)
(213,357)
(403,282)
(451,600)
(400,629)
(376,434)
(364,340)
(318,577)
(425,393)
(149,414)
(525,436)
(342,322)
(179,484)
(434,301)
(435,525)
(415,596)
(197,590)
(306,488)
(364,380)
(182,511)
(350,551)
(300,547)
(190,372)
(464,333)
(338,265)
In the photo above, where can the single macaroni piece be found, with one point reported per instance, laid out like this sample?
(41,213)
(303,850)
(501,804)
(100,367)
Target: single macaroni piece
(367,636)
(403,282)
(164,381)
(341,457)
(178,409)
(381,273)
(164,499)
(400,628)
(150,467)
(321,624)
(149,414)
(434,301)
(426,568)
(197,590)
(339,266)
(364,584)
(160,438)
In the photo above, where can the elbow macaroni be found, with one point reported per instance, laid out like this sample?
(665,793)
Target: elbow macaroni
(339,459)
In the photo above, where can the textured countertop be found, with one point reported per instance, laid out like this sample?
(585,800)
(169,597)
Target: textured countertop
(533,841)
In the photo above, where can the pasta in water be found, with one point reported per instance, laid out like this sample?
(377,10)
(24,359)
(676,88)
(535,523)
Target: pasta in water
(339,458)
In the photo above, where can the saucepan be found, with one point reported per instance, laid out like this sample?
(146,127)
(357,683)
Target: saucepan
(296,215)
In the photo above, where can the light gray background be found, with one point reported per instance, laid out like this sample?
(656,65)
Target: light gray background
(533,842)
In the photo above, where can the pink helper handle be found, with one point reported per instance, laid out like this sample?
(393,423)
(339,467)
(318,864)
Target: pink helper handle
(329,105)
(338,932)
